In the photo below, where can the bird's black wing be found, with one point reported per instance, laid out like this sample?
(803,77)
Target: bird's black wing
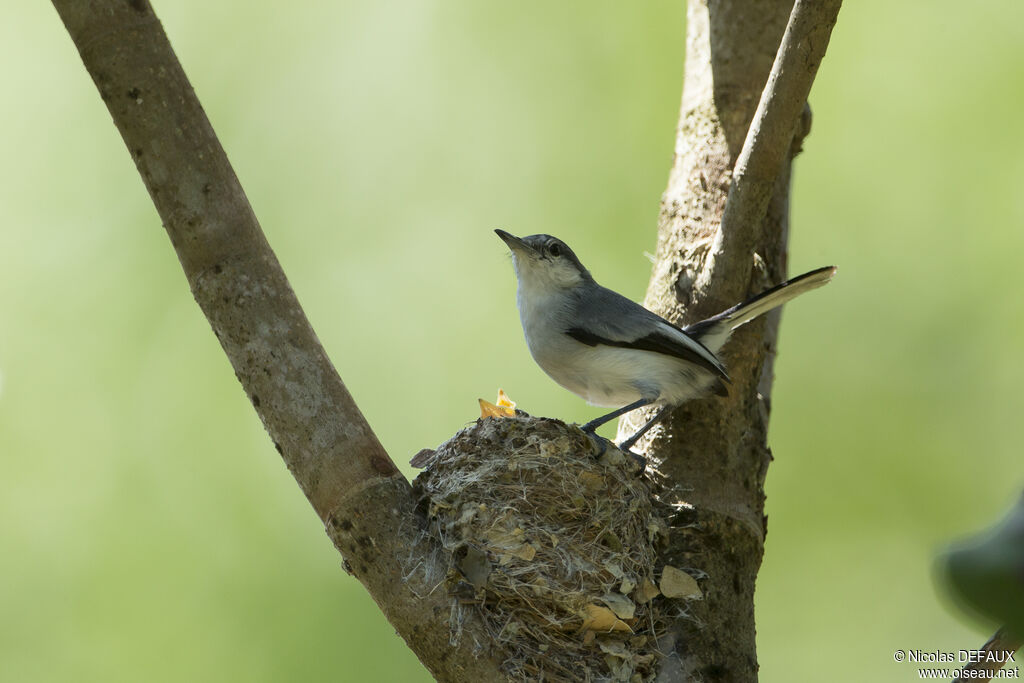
(614,320)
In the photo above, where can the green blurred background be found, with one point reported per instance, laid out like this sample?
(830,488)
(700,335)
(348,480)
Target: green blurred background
(150,531)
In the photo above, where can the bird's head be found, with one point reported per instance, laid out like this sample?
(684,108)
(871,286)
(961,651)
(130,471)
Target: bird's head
(544,262)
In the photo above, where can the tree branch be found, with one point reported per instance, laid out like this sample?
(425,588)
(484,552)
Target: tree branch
(768,145)
(749,67)
(352,484)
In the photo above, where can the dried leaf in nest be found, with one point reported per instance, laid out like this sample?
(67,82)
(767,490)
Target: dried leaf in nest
(616,648)
(602,620)
(646,592)
(509,543)
(526,552)
(620,604)
(676,583)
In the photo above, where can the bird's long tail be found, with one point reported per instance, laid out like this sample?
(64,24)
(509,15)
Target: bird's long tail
(714,331)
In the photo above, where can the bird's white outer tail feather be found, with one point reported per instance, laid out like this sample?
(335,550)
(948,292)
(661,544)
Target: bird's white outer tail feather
(715,331)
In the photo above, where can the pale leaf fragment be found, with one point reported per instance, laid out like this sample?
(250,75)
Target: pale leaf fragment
(615,648)
(525,552)
(675,583)
(620,604)
(509,544)
(646,592)
(615,569)
(502,539)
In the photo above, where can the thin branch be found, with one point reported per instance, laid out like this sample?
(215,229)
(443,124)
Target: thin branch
(316,426)
(999,646)
(768,143)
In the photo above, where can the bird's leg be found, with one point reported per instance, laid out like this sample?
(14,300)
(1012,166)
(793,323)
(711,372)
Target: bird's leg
(597,422)
(628,443)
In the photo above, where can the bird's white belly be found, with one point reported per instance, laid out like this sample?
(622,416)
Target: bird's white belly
(613,377)
(604,376)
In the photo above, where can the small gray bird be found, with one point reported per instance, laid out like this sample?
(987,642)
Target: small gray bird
(613,352)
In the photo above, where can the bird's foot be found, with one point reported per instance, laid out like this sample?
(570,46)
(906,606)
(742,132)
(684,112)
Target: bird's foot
(637,458)
(601,449)
(600,444)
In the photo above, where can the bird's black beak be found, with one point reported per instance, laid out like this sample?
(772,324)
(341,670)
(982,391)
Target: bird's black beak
(513,242)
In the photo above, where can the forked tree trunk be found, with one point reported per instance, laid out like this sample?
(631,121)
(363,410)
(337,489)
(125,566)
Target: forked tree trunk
(366,506)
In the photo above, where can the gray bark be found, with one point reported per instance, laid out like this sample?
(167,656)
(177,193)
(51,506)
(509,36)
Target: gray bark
(722,237)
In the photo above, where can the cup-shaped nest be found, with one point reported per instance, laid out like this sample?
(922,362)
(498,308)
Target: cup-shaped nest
(550,539)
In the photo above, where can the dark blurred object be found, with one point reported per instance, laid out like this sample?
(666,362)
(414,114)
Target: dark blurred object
(984,574)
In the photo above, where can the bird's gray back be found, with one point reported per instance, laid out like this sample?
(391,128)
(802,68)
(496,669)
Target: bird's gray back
(611,315)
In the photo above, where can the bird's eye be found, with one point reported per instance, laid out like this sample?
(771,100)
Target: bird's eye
(554,249)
